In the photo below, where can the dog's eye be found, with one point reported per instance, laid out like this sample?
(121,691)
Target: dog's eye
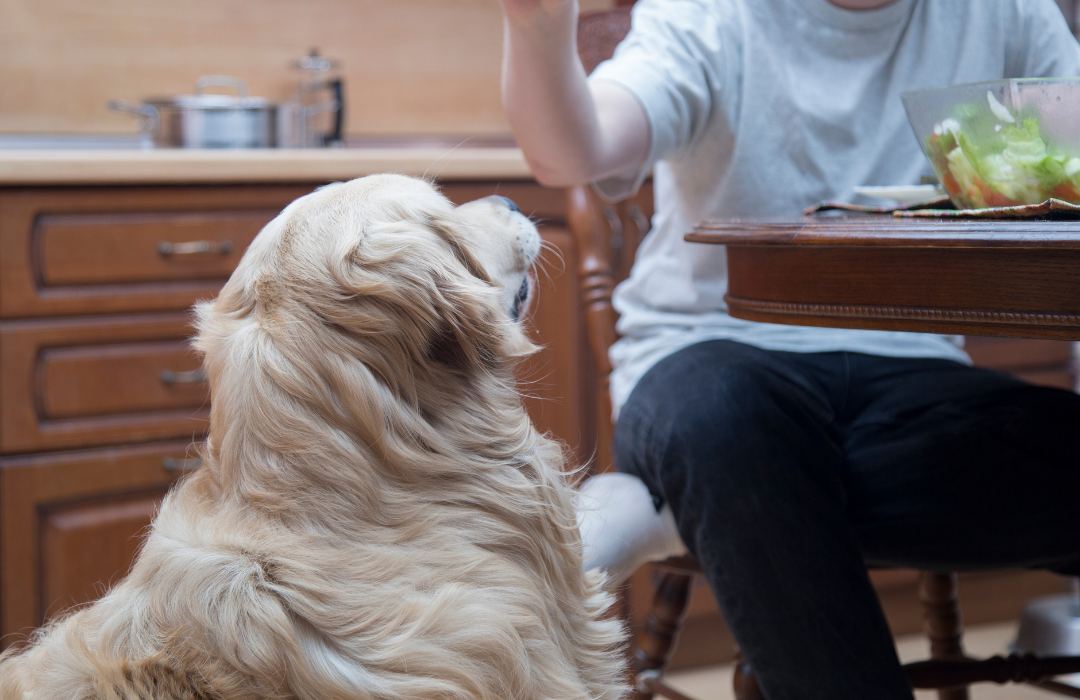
(519,300)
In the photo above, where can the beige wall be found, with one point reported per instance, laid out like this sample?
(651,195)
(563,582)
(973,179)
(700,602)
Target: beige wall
(410,66)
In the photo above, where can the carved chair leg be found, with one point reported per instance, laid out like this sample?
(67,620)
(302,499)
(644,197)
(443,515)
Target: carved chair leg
(657,638)
(938,594)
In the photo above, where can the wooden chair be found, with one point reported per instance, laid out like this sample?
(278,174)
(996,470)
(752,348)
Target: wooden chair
(607,236)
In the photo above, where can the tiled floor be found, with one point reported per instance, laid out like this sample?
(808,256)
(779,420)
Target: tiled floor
(714,683)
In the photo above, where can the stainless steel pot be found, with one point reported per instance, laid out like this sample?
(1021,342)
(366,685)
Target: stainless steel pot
(207,121)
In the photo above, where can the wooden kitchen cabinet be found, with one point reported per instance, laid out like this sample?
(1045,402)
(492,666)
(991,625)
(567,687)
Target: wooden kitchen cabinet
(101,397)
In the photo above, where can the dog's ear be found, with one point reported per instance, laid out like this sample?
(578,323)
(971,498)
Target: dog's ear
(474,328)
(446,229)
(469,331)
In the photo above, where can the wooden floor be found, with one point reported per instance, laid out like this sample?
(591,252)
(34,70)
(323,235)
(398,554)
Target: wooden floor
(714,682)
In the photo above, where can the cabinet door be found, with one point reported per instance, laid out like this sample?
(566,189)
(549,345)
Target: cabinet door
(86,547)
(71,523)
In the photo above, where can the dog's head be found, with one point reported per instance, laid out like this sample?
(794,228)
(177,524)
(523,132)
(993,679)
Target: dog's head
(369,310)
(391,246)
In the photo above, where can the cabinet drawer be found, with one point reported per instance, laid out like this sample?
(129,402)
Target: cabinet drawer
(71,523)
(119,378)
(84,250)
(83,382)
(96,249)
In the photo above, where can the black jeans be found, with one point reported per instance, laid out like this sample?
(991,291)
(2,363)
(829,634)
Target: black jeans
(789,473)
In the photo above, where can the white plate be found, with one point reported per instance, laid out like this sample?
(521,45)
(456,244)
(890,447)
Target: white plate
(903,194)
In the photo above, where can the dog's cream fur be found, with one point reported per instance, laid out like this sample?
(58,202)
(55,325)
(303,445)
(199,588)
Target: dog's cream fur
(376,516)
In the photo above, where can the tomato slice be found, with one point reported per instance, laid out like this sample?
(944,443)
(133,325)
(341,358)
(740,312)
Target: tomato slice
(992,197)
(950,184)
(1066,191)
(999,200)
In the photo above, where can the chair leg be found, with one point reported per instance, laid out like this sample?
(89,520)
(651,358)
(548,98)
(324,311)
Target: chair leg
(938,594)
(657,638)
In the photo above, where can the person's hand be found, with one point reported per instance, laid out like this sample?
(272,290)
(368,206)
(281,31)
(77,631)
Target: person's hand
(620,527)
(571,132)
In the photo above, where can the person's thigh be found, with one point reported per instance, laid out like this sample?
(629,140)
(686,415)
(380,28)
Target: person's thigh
(721,417)
(958,468)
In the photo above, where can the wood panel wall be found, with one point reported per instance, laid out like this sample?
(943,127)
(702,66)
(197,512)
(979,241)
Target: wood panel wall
(410,66)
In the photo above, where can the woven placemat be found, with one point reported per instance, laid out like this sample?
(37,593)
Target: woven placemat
(937,202)
(1050,209)
(942,208)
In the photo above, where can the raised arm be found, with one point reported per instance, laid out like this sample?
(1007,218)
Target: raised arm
(572,132)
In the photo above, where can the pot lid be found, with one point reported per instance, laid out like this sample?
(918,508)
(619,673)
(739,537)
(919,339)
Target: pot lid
(210,101)
(201,100)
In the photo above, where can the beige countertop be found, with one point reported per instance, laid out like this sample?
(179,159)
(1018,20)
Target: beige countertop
(132,166)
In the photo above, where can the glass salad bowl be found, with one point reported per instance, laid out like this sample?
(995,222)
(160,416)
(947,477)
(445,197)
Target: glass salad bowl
(1002,143)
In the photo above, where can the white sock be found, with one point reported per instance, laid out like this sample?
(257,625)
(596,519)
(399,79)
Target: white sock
(620,528)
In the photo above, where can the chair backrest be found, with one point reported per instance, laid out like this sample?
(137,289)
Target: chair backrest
(607,235)
(599,33)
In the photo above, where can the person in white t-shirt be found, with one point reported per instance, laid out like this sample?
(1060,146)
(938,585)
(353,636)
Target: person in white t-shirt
(789,458)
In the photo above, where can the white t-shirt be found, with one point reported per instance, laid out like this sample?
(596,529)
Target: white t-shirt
(763,107)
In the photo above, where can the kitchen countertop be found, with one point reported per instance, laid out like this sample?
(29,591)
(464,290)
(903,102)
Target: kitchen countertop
(182,166)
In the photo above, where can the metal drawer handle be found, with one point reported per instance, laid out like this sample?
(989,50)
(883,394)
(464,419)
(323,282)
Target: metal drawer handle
(165,248)
(171,464)
(195,376)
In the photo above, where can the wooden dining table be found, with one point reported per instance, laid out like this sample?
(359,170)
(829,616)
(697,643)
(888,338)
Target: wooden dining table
(1016,278)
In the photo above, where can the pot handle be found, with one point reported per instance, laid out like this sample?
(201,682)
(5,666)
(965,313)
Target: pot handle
(148,114)
(339,117)
(221,81)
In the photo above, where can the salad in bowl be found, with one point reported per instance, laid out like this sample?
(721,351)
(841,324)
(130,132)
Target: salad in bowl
(1003,143)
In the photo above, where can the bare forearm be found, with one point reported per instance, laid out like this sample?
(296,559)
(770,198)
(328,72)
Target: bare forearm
(547,97)
(570,132)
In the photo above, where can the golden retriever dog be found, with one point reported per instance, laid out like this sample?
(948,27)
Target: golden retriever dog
(376,517)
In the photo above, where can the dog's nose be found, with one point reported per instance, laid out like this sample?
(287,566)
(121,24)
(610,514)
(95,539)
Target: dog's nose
(507,202)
